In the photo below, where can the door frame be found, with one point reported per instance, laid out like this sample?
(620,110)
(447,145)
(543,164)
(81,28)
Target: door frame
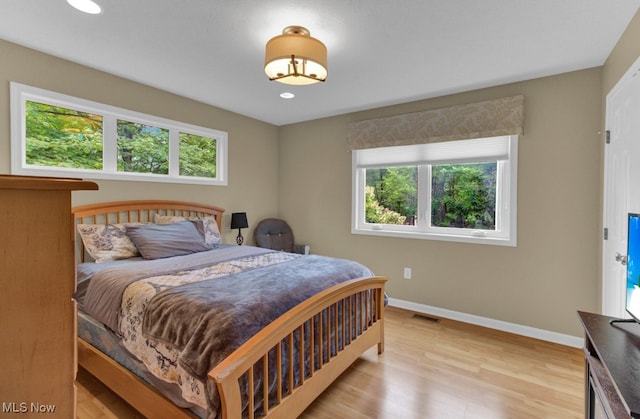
(613,289)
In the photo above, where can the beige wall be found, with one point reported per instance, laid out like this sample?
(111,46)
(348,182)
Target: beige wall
(253,145)
(623,55)
(556,267)
(541,282)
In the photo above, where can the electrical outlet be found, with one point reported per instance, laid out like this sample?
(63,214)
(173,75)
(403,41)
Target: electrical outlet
(407,273)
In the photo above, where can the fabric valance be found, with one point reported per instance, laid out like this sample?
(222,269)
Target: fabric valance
(489,118)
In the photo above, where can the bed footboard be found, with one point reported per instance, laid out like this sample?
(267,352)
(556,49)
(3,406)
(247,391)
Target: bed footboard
(127,385)
(340,324)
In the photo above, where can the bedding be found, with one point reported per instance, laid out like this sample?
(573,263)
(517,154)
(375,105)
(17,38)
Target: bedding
(109,343)
(157,241)
(105,242)
(181,315)
(211,231)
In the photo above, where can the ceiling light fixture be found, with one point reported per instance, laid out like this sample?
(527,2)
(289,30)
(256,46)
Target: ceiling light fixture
(87,6)
(295,57)
(287,95)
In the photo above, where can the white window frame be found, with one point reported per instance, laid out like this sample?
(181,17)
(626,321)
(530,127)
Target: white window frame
(21,93)
(503,150)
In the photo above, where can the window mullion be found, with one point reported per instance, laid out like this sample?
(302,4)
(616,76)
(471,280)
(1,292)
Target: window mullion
(359,198)
(424,197)
(110,143)
(174,152)
(501,203)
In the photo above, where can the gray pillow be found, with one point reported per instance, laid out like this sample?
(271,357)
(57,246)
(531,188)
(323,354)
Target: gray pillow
(156,241)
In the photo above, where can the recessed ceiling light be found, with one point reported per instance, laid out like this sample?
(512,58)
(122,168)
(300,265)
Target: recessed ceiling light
(287,95)
(87,6)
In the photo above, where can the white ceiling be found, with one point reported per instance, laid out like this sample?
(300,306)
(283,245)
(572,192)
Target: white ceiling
(380,52)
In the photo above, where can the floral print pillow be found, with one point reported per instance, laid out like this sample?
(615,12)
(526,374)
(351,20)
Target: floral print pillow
(105,242)
(211,231)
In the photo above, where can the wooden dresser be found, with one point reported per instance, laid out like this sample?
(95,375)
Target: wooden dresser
(37,282)
(612,353)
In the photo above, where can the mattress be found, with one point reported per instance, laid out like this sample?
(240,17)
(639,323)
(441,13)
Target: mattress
(97,335)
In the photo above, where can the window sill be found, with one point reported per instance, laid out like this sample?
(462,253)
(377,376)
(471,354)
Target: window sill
(120,176)
(496,241)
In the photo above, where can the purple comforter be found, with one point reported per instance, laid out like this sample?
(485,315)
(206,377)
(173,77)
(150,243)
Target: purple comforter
(209,319)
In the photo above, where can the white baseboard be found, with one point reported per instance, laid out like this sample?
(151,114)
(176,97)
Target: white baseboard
(567,340)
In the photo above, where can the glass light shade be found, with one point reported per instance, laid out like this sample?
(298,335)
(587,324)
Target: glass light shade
(87,6)
(295,57)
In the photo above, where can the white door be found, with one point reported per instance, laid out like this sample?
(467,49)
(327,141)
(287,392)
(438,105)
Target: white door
(621,185)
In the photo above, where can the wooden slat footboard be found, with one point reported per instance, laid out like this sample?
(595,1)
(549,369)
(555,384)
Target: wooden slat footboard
(127,385)
(334,344)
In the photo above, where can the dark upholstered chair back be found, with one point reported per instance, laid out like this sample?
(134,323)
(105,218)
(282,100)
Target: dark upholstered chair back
(273,233)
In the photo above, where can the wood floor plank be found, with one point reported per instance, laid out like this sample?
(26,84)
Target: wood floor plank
(430,369)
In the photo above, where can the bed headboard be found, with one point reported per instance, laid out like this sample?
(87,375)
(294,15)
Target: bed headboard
(138,211)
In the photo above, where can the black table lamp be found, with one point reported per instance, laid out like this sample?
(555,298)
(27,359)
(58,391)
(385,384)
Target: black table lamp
(239,221)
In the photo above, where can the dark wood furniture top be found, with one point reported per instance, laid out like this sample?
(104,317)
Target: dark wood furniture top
(45,183)
(613,358)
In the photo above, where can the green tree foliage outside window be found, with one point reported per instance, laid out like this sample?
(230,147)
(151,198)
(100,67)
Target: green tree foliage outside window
(197,156)
(464,195)
(60,137)
(142,148)
(376,213)
(391,195)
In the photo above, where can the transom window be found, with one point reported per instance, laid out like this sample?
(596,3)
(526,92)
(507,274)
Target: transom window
(457,191)
(60,135)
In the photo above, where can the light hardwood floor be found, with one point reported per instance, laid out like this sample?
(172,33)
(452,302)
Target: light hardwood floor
(430,369)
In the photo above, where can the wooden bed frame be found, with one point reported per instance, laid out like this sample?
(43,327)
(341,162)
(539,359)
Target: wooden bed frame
(356,332)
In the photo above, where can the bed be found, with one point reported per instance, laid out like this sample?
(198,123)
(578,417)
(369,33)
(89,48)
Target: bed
(216,330)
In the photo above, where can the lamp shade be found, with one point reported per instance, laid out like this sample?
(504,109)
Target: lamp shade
(239,220)
(295,57)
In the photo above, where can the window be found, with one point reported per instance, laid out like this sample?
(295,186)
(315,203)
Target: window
(457,191)
(58,135)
